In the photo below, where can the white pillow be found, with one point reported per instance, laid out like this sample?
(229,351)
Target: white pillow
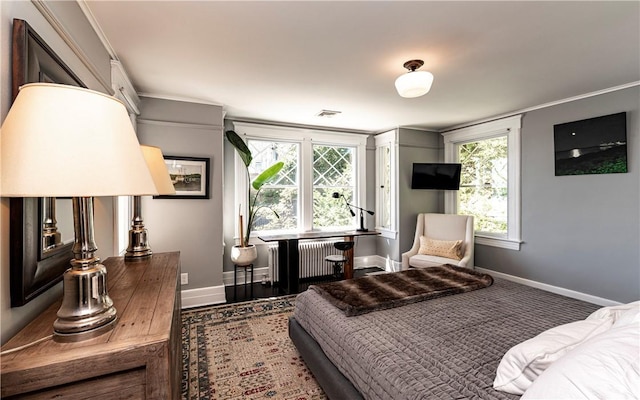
(630,316)
(524,362)
(606,366)
(614,311)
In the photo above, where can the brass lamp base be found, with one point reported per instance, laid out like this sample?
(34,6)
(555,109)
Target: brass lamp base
(87,309)
(51,240)
(138,248)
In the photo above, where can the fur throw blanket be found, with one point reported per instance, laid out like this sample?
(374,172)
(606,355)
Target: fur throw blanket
(377,292)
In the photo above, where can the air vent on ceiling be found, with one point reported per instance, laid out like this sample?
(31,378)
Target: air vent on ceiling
(327,113)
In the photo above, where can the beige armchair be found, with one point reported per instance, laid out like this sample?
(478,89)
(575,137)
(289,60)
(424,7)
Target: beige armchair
(441,227)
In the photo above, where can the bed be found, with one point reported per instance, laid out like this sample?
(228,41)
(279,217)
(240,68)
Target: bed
(442,348)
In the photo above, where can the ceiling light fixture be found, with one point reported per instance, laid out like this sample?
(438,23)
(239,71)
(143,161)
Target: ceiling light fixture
(414,83)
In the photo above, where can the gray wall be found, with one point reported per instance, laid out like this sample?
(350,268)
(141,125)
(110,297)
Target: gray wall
(98,78)
(414,146)
(191,226)
(579,232)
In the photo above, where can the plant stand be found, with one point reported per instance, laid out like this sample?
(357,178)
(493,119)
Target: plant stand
(235,280)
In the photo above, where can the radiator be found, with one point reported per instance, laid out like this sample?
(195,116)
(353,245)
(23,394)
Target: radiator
(312,261)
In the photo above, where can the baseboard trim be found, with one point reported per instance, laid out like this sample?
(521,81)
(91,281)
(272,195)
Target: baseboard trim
(227,276)
(203,297)
(550,288)
(386,264)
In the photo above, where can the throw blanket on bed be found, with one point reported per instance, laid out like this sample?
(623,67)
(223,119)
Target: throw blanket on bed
(377,292)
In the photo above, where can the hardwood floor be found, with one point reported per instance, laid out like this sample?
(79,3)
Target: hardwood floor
(240,292)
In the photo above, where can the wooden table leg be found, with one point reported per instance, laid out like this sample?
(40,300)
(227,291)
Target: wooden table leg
(348,266)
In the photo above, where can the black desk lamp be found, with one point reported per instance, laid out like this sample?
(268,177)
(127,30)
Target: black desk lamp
(337,195)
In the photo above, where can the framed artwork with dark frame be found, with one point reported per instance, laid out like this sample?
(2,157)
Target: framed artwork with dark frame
(37,258)
(190,177)
(591,146)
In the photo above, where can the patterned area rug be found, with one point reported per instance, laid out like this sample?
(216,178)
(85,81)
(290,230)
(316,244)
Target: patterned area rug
(243,351)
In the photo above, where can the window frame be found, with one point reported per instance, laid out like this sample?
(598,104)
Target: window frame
(306,138)
(122,222)
(382,141)
(509,127)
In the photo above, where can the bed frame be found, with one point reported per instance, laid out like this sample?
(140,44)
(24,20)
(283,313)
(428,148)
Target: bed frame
(334,384)
(513,302)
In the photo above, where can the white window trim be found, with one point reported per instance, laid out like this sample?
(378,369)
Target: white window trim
(122,219)
(382,140)
(123,205)
(306,137)
(511,127)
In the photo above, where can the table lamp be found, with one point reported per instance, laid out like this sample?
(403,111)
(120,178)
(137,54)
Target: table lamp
(139,248)
(337,195)
(66,141)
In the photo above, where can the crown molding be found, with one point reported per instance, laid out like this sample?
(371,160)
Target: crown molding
(48,14)
(545,105)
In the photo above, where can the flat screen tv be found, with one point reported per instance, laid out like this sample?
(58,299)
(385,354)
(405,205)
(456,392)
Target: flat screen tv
(436,176)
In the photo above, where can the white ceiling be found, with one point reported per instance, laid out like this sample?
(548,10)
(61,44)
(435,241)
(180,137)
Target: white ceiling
(287,61)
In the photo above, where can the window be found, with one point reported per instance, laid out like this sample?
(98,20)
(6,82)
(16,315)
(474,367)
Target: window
(384,197)
(385,184)
(123,206)
(333,171)
(484,184)
(282,194)
(317,164)
(490,179)
(123,222)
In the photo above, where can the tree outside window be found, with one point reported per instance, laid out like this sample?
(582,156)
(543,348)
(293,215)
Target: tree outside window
(333,171)
(280,195)
(484,184)
(490,179)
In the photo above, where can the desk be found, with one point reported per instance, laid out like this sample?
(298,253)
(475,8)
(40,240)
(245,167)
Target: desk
(288,255)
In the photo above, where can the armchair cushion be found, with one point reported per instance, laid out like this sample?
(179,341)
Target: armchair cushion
(442,248)
(425,261)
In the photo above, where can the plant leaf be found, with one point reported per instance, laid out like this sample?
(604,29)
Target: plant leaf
(267,175)
(241,147)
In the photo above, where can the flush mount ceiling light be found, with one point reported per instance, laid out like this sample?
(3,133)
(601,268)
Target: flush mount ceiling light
(414,83)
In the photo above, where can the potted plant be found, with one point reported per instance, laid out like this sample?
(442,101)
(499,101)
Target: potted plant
(245,253)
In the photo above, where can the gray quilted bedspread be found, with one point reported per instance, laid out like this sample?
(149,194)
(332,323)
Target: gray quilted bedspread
(445,348)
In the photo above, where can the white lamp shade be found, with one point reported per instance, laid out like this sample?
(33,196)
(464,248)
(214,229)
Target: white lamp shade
(60,140)
(414,83)
(155,161)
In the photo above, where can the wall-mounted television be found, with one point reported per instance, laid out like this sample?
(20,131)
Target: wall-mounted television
(436,176)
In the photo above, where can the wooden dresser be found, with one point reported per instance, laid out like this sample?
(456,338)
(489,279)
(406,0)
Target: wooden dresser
(140,358)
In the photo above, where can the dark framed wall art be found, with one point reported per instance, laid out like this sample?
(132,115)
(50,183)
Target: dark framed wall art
(190,177)
(591,146)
